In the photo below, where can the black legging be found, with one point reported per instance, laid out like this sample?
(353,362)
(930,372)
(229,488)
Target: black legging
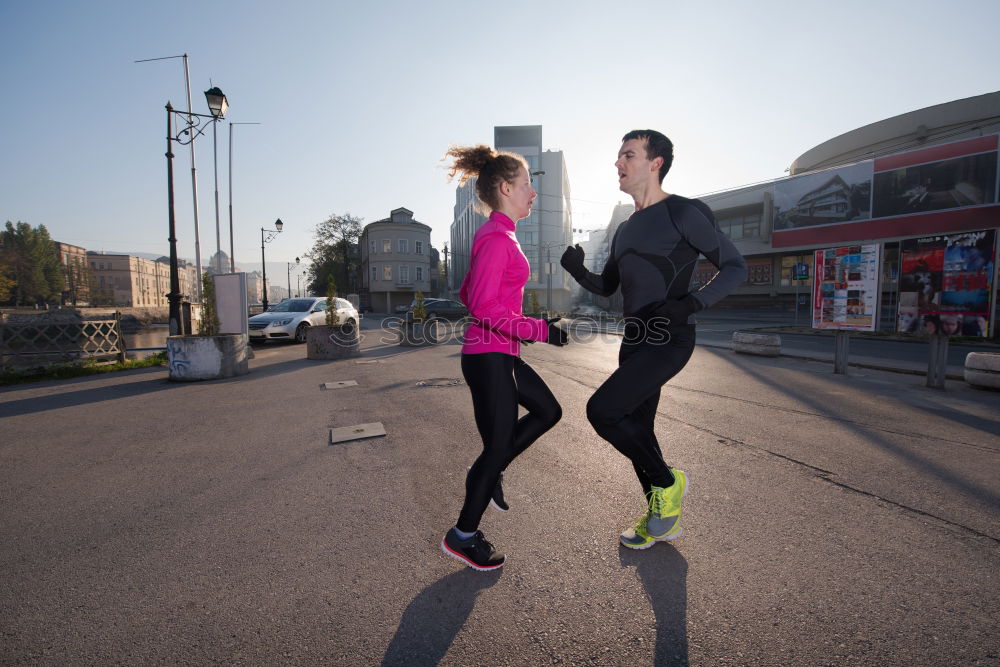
(623,409)
(499,382)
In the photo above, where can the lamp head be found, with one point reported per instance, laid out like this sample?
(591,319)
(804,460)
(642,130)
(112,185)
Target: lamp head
(296,260)
(217,102)
(278,224)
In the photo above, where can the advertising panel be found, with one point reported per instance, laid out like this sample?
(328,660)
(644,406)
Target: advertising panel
(939,189)
(823,198)
(845,288)
(759,271)
(935,186)
(945,284)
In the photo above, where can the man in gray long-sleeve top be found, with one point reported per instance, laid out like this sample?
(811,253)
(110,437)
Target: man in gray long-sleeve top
(653,257)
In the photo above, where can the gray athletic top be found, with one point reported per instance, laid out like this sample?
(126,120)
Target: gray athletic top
(655,251)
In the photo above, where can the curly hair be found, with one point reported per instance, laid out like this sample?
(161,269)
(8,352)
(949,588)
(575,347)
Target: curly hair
(489,167)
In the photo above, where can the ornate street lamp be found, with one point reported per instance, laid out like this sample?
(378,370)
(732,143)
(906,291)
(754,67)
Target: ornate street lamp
(217,106)
(266,235)
(185,135)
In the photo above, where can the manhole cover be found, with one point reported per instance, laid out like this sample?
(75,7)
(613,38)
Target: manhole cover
(439,382)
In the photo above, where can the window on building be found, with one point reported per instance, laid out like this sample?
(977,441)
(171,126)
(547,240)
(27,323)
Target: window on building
(373,247)
(418,247)
(386,245)
(404,274)
(741,226)
(374,273)
(404,246)
(420,272)
(386,272)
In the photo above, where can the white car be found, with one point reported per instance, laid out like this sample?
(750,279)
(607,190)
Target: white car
(289,319)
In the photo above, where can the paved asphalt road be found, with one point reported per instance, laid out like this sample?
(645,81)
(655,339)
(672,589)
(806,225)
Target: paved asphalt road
(832,520)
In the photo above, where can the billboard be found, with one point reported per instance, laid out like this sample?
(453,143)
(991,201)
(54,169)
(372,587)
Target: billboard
(963,181)
(823,198)
(940,189)
(846,288)
(945,284)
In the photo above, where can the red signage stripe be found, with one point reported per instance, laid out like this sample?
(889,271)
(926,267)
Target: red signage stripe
(924,224)
(935,153)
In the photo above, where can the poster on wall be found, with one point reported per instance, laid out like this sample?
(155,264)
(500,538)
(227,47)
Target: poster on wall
(945,284)
(845,288)
(823,198)
(759,271)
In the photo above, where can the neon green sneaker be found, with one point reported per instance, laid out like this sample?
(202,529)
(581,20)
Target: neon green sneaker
(666,502)
(662,523)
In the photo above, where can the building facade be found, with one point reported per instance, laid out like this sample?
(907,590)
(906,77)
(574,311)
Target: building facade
(543,235)
(136,282)
(919,187)
(395,261)
(76,274)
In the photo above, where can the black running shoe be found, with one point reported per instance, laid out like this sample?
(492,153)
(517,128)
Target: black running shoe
(497,501)
(475,552)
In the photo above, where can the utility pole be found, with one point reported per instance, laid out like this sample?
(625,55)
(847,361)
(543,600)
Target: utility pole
(447,285)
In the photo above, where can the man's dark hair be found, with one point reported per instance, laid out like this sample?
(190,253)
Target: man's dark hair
(657,145)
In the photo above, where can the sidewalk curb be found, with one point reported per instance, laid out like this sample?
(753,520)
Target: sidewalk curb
(857,364)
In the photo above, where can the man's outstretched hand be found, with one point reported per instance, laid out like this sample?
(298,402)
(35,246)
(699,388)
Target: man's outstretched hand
(572,260)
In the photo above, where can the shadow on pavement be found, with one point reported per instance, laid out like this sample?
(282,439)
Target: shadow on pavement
(840,411)
(663,573)
(69,399)
(435,616)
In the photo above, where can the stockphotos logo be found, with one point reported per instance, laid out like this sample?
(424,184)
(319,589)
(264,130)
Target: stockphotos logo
(630,330)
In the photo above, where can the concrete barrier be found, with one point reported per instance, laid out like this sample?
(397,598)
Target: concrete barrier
(982,369)
(763,344)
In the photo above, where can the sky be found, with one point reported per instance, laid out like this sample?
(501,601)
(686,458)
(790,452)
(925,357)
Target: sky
(358,102)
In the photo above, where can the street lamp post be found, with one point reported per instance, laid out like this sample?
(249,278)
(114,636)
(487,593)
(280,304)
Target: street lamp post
(184,136)
(288,267)
(266,235)
(217,105)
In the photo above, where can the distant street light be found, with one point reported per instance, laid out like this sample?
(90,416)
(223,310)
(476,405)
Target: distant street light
(184,136)
(266,235)
(289,270)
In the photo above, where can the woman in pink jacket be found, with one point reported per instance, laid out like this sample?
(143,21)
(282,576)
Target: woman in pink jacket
(497,376)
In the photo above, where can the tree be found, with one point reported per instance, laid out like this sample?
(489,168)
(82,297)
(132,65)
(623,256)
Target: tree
(332,317)
(29,259)
(331,255)
(6,284)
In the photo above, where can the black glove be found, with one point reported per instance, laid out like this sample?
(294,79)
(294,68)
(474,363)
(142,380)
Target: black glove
(557,336)
(572,261)
(677,311)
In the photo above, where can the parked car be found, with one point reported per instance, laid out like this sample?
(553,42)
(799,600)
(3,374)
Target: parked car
(289,319)
(443,308)
(587,310)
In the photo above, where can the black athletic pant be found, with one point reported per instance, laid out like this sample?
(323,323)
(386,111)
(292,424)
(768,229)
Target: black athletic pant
(623,409)
(499,382)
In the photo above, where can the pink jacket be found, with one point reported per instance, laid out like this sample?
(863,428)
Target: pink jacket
(493,290)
